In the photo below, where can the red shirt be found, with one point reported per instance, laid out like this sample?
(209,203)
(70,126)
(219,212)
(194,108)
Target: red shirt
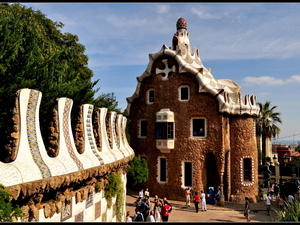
(165,210)
(197,198)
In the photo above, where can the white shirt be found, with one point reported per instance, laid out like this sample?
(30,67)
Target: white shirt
(203,197)
(268,200)
(291,198)
(128,219)
(150,218)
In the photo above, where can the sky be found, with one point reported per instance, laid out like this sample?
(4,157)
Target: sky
(257,45)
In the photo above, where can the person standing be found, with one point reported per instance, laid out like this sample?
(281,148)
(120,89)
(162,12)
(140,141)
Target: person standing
(276,191)
(203,201)
(138,217)
(290,198)
(218,196)
(188,197)
(247,209)
(157,211)
(147,193)
(141,193)
(268,203)
(150,217)
(165,211)
(128,217)
(280,203)
(196,201)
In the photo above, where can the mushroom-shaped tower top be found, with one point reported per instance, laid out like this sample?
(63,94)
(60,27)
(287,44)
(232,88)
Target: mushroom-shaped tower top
(181,23)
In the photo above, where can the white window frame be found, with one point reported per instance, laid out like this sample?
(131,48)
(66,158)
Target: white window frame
(159,169)
(179,93)
(148,96)
(140,128)
(205,127)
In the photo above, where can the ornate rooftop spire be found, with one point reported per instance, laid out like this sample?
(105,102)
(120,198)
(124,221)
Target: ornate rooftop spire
(181,23)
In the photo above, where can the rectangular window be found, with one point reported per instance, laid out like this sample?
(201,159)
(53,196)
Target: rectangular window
(188,172)
(184,93)
(198,128)
(164,130)
(247,170)
(151,96)
(162,169)
(143,128)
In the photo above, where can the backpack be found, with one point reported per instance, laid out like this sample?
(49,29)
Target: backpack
(139,217)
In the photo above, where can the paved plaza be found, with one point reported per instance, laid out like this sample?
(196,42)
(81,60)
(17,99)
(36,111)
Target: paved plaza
(231,212)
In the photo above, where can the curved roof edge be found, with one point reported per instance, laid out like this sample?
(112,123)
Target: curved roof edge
(227,92)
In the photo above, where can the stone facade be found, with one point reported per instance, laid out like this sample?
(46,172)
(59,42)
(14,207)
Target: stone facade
(176,86)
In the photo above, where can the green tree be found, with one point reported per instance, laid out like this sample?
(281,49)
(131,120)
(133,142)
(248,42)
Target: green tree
(8,211)
(267,124)
(138,171)
(107,101)
(35,54)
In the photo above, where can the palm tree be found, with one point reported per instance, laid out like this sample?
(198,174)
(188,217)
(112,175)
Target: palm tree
(266,125)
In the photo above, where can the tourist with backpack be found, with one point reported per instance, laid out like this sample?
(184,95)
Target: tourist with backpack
(138,217)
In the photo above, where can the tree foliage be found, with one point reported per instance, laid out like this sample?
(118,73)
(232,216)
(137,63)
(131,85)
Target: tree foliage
(267,122)
(138,171)
(8,211)
(35,54)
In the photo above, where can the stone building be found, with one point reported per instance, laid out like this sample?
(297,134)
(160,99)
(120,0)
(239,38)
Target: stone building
(194,131)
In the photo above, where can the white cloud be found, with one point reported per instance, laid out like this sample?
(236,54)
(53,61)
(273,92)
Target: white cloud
(270,81)
(163,8)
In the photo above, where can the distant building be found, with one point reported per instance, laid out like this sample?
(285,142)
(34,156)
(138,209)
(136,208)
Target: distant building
(195,131)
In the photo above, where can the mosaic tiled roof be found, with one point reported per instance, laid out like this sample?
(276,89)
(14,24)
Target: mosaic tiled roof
(226,91)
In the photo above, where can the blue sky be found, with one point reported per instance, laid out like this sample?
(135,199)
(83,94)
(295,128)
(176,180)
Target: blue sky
(256,45)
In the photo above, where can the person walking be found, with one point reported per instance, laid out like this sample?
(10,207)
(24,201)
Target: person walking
(188,196)
(165,211)
(203,201)
(268,203)
(247,209)
(196,201)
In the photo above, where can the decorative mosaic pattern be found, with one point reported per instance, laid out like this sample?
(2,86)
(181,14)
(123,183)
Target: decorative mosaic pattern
(113,128)
(67,109)
(109,136)
(79,217)
(89,130)
(66,211)
(97,209)
(242,171)
(31,134)
(89,200)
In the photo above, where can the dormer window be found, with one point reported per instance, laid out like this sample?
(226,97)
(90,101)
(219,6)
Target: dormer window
(150,96)
(184,93)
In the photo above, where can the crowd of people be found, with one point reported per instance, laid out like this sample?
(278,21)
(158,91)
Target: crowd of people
(159,209)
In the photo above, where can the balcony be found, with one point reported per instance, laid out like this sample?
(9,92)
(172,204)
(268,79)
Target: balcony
(165,146)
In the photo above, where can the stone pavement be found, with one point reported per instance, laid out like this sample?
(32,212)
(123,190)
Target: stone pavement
(230,212)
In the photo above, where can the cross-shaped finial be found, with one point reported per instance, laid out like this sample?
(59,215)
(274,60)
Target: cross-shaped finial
(166,70)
